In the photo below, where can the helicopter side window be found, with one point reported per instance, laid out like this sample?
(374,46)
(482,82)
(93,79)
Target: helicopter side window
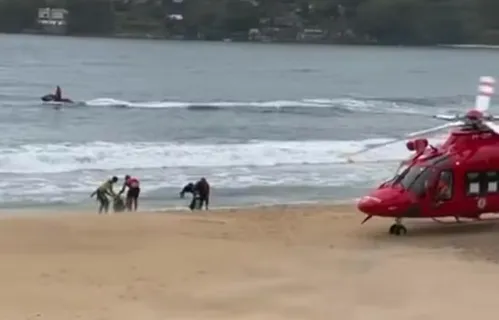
(473,183)
(492,182)
(482,183)
(444,185)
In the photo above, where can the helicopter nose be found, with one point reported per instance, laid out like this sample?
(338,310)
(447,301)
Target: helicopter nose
(369,205)
(385,203)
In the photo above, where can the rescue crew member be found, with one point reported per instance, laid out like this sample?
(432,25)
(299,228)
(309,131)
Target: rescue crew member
(200,194)
(132,196)
(202,188)
(187,188)
(443,187)
(103,191)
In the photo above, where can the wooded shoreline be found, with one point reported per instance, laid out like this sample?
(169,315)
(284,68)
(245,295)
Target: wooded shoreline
(380,22)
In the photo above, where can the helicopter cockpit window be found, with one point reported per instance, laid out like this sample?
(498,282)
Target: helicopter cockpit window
(415,179)
(401,169)
(399,173)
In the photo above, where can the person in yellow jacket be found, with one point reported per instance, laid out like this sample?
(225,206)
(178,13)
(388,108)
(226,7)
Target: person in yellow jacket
(103,191)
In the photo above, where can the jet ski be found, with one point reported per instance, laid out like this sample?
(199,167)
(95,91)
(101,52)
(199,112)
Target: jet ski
(52,98)
(56,97)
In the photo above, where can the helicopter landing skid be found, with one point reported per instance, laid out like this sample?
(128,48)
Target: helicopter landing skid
(458,220)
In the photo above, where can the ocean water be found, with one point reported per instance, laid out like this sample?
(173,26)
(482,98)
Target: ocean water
(264,123)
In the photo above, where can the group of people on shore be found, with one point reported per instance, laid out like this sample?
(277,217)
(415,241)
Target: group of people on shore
(106,189)
(200,194)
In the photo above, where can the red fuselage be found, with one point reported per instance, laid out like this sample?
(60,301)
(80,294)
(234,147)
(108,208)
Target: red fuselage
(460,178)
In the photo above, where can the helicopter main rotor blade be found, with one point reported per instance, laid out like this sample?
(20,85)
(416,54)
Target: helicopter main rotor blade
(408,136)
(492,126)
(482,104)
(448,117)
(372,146)
(434,129)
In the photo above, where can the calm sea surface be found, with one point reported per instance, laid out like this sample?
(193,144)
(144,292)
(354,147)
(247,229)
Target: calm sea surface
(263,123)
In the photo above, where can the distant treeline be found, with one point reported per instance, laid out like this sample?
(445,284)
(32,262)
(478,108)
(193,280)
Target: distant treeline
(416,22)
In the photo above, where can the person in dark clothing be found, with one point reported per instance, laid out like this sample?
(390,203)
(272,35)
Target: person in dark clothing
(56,97)
(58,94)
(200,194)
(188,188)
(202,188)
(195,202)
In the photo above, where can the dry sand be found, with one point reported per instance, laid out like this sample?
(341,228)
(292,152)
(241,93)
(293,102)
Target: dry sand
(308,262)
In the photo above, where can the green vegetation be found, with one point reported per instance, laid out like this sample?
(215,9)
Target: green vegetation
(417,22)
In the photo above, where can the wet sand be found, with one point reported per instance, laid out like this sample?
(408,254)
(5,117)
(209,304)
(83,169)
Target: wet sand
(283,262)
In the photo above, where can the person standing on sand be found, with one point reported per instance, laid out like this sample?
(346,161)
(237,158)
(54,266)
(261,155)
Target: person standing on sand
(202,188)
(132,196)
(103,191)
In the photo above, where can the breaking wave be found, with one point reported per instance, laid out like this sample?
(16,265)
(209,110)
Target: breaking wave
(68,157)
(43,173)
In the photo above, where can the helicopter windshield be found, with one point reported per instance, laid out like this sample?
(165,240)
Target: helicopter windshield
(401,169)
(415,178)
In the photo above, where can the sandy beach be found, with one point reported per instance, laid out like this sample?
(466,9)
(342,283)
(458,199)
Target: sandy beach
(283,262)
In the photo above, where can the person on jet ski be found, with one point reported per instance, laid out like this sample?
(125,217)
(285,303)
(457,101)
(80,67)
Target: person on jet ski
(55,97)
(58,94)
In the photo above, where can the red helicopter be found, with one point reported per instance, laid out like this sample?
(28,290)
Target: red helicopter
(459,178)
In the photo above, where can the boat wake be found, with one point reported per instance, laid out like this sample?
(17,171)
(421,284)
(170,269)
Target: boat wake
(417,106)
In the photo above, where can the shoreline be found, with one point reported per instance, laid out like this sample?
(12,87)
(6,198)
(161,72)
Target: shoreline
(139,36)
(85,210)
